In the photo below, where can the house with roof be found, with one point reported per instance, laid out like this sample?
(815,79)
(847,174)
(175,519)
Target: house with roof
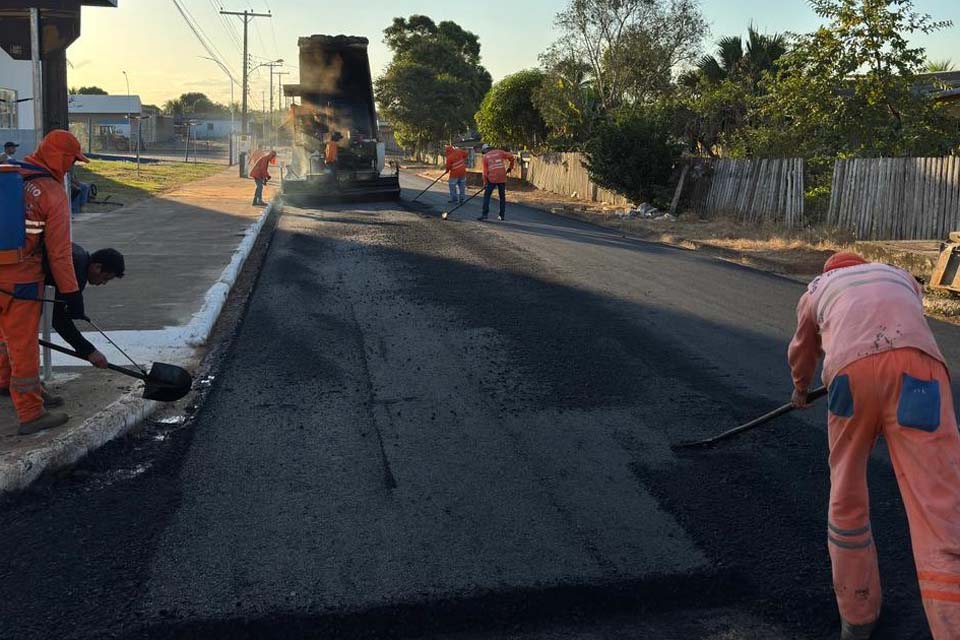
(104,123)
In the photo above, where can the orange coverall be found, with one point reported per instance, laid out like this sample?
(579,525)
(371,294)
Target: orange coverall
(48,227)
(495,167)
(456,162)
(886,377)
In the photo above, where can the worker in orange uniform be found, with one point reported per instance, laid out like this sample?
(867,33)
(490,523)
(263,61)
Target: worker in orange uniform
(331,154)
(261,175)
(457,173)
(47,213)
(886,376)
(495,170)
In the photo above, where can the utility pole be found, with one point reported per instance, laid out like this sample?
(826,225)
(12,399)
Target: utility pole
(247,16)
(280,75)
(271,66)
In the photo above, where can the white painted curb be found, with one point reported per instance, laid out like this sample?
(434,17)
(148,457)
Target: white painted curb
(17,471)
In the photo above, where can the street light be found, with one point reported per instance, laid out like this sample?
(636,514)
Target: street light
(127,78)
(232,81)
(139,118)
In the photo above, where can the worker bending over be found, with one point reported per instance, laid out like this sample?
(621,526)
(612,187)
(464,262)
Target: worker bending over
(46,212)
(96,269)
(457,173)
(886,376)
(495,170)
(261,175)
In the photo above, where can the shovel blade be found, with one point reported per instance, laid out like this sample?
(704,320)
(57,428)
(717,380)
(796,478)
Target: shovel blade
(167,382)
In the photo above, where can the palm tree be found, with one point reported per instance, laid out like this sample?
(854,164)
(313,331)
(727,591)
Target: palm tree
(939,66)
(733,59)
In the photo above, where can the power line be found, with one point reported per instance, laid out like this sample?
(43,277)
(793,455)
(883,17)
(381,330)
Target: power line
(246,16)
(214,53)
(263,47)
(196,23)
(228,27)
(273,32)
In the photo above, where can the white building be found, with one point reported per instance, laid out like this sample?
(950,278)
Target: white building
(16,102)
(98,120)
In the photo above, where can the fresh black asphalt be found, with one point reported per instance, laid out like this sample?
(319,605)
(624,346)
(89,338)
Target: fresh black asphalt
(461,430)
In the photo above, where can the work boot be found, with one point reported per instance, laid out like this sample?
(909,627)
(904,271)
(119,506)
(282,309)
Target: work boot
(46,421)
(856,631)
(51,401)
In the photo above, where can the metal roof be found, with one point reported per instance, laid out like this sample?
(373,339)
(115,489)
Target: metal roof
(81,104)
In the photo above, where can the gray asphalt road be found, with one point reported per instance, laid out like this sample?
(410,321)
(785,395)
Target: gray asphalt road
(461,430)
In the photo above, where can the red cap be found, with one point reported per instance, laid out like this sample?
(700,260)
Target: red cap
(64,142)
(842,259)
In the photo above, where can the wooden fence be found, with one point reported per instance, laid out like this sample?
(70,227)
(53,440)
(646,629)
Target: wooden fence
(755,191)
(896,198)
(565,174)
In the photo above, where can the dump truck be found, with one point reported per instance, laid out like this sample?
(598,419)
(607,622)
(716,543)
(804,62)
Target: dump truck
(336,105)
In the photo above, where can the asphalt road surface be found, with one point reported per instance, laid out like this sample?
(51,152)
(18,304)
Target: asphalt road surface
(461,430)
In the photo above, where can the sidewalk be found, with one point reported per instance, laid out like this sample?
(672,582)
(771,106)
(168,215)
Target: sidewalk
(183,251)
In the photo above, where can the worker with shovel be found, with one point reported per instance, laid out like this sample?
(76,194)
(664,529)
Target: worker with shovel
(261,175)
(497,163)
(457,174)
(35,216)
(886,376)
(97,269)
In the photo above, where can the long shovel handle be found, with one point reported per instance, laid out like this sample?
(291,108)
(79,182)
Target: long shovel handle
(431,184)
(113,367)
(479,191)
(816,394)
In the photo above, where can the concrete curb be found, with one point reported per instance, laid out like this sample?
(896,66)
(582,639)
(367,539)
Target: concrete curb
(19,471)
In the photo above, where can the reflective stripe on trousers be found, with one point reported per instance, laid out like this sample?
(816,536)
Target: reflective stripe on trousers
(904,395)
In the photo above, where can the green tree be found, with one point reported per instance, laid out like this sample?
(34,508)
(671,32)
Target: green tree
(634,153)
(435,82)
(849,88)
(194,103)
(88,91)
(939,66)
(419,103)
(508,116)
(736,59)
(717,94)
(630,46)
(567,101)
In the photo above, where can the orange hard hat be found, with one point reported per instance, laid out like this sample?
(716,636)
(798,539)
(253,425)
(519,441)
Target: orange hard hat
(842,259)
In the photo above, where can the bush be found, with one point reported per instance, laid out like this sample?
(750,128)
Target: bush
(634,153)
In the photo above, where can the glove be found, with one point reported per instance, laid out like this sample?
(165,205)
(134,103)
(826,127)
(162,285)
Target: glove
(74,303)
(98,360)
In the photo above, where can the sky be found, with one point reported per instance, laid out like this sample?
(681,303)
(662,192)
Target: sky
(151,41)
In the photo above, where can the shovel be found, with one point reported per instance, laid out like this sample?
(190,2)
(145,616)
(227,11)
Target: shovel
(164,382)
(446,214)
(816,394)
(430,185)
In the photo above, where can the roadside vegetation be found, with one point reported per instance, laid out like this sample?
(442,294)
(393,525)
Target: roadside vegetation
(118,182)
(637,86)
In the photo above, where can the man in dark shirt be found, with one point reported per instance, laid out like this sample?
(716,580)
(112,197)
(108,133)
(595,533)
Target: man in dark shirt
(96,269)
